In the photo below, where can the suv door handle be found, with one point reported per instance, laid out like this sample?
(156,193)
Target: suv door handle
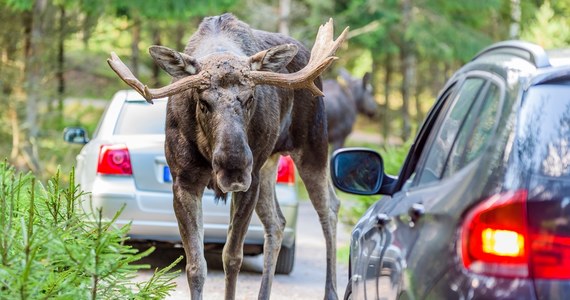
(416,211)
(382,219)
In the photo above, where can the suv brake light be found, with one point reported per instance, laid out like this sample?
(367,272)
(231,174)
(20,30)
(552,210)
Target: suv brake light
(286,170)
(550,257)
(497,239)
(114,160)
(494,236)
(549,240)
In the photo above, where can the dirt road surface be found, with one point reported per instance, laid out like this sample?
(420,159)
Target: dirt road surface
(307,281)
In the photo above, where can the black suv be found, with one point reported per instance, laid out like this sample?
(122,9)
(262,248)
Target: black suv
(481,207)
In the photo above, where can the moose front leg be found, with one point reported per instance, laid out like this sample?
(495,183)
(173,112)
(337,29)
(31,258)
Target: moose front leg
(188,210)
(273,221)
(242,206)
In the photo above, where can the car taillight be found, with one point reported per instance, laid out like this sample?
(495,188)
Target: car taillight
(550,257)
(549,236)
(114,160)
(286,170)
(494,236)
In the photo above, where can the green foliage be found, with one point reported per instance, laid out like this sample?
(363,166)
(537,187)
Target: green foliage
(343,254)
(51,249)
(53,152)
(456,28)
(170,9)
(548,29)
(18,5)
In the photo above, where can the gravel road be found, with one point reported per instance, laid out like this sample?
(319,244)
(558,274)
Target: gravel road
(307,280)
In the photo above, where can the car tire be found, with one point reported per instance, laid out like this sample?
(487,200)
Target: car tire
(285,260)
(348,291)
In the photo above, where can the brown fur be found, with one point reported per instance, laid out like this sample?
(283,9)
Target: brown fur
(224,135)
(344,99)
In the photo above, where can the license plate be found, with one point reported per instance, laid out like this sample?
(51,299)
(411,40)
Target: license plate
(166,177)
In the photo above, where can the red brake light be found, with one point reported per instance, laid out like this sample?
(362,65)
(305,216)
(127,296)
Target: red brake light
(550,257)
(114,160)
(494,236)
(286,170)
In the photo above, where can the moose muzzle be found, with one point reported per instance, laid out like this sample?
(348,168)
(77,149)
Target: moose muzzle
(232,163)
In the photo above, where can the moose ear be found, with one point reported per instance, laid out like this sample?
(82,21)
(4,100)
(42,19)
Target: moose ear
(175,63)
(366,81)
(273,59)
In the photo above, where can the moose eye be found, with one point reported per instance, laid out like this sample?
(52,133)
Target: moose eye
(203,106)
(249,100)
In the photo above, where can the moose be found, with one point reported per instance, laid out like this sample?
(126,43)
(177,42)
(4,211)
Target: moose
(239,97)
(345,98)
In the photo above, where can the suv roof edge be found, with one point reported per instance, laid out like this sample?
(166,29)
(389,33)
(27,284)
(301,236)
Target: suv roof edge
(556,73)
(536,54)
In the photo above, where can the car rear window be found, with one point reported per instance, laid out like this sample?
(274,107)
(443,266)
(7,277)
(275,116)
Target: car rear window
(140,117)
(544,130)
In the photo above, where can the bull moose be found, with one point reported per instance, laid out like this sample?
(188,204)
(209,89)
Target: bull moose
(344,99)
(239,97)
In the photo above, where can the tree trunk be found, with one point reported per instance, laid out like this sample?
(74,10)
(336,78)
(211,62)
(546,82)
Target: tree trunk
(417,96)
(420,85)
(136,38)
(436,78)
(61,64)
(13,115)
(180,42)
(514,29)
(408,73)
(34,32)
(155,80)
(407,58)
(387,91)
(284,14)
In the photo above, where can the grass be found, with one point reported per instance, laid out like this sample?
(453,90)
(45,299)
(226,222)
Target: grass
(54,153)
(343,254)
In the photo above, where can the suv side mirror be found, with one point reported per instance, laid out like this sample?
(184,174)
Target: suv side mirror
(75,135)
(357,171)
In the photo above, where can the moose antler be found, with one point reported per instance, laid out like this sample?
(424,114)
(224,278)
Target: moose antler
(322,56)
(128,77)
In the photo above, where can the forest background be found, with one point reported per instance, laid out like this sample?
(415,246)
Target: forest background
(53,74)
(53,56)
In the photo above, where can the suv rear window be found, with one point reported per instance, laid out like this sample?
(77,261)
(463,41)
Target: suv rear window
(141,118)
(544,130)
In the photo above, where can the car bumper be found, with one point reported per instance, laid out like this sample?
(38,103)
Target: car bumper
(151,214)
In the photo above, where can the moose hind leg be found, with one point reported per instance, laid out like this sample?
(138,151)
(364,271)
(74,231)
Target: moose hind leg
(273,221)
(188,210)
(325,202)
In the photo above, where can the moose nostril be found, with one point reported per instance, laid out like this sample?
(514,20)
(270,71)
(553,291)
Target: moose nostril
(232,157)
(228,163)
(233,180)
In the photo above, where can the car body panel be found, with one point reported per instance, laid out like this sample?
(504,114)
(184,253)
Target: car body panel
(418,255)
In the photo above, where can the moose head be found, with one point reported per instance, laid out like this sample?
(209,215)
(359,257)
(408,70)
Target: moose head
(224,86)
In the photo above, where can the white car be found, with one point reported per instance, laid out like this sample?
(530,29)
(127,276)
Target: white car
(124,164)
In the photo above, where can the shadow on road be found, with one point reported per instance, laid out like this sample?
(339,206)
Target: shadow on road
(165,254)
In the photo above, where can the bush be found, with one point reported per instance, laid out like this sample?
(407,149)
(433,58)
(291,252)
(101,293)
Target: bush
(51,249)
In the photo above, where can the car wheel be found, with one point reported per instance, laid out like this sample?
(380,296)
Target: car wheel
(285,260)
(348,291)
